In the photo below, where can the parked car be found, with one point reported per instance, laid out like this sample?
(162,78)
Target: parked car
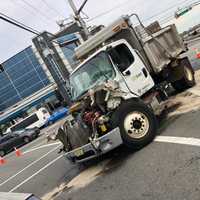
(17,196)
(28,134)
(35,119)
(58,114)
(17,139)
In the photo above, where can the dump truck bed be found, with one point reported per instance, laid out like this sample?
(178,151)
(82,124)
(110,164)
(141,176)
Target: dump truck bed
(164,45)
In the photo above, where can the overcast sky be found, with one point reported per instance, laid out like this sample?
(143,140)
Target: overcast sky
(42,16)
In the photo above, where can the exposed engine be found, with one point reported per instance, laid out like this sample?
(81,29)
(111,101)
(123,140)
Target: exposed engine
(90,117)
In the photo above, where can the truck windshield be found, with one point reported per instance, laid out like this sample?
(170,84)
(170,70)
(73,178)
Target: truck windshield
(93,72)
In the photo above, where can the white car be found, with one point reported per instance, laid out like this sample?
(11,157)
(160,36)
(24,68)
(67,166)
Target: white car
(17,196)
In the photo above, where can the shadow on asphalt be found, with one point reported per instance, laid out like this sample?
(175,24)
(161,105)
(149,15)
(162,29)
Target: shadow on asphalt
(164,120)
(115,158)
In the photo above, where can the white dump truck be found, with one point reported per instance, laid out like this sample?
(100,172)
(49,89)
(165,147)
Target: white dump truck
(119,85)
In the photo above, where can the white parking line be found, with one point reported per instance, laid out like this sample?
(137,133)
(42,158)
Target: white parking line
(178,140)
(41,147)
(26,180)
(31,143)
(41,143)
(166,139)
(31,164)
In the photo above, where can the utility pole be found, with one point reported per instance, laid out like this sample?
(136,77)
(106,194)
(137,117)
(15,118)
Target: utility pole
(77,16)
(44,47)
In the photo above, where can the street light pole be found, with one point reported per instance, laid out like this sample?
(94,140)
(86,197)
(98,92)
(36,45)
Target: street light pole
(77,16)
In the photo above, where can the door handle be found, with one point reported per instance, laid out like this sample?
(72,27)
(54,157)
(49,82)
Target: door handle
(145,72)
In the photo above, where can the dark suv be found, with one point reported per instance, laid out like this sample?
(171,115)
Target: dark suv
(17,139)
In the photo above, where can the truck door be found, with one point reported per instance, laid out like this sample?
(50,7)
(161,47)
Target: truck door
(132,68)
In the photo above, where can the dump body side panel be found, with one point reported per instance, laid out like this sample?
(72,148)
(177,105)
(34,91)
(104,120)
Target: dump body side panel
(164,45)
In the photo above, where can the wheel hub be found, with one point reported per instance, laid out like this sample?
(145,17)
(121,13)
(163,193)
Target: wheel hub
(136,125)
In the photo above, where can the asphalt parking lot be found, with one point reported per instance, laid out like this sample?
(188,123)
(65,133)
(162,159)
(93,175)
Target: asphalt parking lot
(168,168)
(40,168)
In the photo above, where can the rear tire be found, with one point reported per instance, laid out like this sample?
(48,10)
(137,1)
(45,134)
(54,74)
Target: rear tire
(187,81)
(2,153)
(137,123)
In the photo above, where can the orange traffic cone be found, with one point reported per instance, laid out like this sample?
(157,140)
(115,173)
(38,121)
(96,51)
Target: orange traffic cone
(2,161)
(197,53)
(18,153)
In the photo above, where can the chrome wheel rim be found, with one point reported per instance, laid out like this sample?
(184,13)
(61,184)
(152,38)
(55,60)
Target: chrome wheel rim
(136,125)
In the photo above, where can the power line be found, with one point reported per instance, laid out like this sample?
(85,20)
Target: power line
(25,27)
(18,24)
(165,19)
(52,8)
(168,9)
(27,9)
(119,5)
(82,6)
(37,10)
(108,11)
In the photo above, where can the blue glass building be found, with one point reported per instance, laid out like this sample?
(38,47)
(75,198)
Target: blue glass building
(27,83)
(22,76)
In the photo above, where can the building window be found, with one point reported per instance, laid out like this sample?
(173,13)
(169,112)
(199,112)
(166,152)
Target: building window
(22,76)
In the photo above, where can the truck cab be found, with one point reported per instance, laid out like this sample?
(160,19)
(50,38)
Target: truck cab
(109,86)
(116,61)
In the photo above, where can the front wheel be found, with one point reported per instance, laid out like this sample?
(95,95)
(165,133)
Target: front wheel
(137,123)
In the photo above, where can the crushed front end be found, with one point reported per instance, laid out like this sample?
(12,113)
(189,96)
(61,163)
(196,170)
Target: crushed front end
(96,147)
(88,131)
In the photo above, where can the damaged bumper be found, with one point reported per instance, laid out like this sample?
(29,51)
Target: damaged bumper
(96,148)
